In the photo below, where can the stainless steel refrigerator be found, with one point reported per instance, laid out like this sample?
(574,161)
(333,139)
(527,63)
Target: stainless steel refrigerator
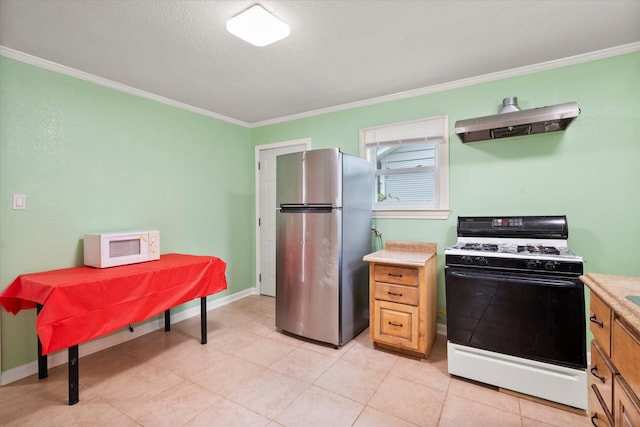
(323,229)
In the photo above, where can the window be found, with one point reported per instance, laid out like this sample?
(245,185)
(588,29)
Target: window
(411,168)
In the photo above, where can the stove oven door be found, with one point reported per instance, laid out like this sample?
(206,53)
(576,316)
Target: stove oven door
(529,315)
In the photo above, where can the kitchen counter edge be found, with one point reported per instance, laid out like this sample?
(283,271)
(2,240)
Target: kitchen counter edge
(613,290)
(403,253)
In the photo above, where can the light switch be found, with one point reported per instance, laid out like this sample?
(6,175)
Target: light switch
(19,202)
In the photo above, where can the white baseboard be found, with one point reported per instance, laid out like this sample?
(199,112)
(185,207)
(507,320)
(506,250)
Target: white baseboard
(62,357)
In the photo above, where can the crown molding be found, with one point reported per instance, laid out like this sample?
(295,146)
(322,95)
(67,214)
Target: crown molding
(529,69)
(72,72)
(544,66)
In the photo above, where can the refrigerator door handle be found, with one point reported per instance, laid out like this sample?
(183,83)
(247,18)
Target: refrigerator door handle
(300,207)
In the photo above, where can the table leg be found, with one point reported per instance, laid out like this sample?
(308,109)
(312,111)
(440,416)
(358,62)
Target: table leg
(43,370)
(74,389)
(167,320)
(203,320)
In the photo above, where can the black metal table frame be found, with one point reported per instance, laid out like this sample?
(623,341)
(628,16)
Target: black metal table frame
(74,389)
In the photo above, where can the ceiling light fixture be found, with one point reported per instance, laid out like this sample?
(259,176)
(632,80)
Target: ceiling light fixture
(257,26)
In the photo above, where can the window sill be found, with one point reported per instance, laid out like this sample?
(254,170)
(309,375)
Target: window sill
(408,214)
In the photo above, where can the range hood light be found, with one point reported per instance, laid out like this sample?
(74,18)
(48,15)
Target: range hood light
(512,121)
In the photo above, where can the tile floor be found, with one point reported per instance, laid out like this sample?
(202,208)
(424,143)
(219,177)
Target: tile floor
(249,374)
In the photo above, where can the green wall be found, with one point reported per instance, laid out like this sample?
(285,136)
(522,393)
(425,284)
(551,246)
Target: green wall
(92,159)
(591,172)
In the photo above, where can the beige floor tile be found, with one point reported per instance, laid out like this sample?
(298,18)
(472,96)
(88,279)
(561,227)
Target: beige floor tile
(366,356)
(268,393)
(49,407)
(256,324)
(327,349)
(438,355)
(459,411)
(100,367)
(174,406)
(370,417)
(188,359)
(224,376)
(223,412)
(285,338)
(134,387)
(55,384)
(229,339)
(303,364)
(407,400)
(484,394)
(318,407)
(120,420)
(262,306)
(250,374)
(265,351)
(552,416)
(420,371)
(350,380)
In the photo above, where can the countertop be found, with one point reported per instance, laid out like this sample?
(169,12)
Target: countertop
(613,290)
(413,254)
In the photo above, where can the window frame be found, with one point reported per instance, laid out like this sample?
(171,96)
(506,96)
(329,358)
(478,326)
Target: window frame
(394,134)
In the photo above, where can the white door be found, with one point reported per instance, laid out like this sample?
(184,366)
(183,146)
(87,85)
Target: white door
(266,210)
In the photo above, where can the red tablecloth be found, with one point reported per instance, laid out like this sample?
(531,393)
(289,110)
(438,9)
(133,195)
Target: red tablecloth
(83,303)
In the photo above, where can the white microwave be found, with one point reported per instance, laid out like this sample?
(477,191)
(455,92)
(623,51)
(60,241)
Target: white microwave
(113,249)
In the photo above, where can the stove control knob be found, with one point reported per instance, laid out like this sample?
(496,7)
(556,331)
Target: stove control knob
(550,265)
(466,259)
(533,264)
(482,261)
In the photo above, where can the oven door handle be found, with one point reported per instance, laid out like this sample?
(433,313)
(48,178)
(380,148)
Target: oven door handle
(525,278)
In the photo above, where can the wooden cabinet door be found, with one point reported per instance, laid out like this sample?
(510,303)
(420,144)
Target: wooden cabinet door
(600,322)
(396,325)
(399,275)
(625,354)
(396,293)
(627,405)
(599,415)
(601,374)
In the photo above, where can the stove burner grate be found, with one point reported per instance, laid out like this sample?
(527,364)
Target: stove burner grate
(487,247)
(547,250)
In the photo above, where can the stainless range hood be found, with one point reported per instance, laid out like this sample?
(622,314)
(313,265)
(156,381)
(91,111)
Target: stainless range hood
(515,122)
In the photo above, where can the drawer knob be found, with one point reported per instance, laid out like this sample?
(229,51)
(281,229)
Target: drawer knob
(594,372)
(594,319)
(394,294)
(399,325)
(395,275)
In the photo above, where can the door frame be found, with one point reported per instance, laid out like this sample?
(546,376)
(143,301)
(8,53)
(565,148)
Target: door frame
(258,149)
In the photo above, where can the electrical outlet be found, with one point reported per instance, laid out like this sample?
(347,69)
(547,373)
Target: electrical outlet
(19,202)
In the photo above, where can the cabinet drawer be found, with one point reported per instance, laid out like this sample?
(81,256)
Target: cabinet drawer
(396,324)
(600,317)
(396,293)
(627,405)
(602,372)
(625,354)
(599,414)
(398,275)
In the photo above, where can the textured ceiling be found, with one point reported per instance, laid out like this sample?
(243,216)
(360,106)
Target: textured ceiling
(338,52)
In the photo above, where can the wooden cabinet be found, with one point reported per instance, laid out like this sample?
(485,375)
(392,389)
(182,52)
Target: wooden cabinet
(615,359)
(600,322)
(626,405)
(403,293)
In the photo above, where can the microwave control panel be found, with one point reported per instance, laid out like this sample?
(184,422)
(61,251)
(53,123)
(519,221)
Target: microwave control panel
(154,245)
